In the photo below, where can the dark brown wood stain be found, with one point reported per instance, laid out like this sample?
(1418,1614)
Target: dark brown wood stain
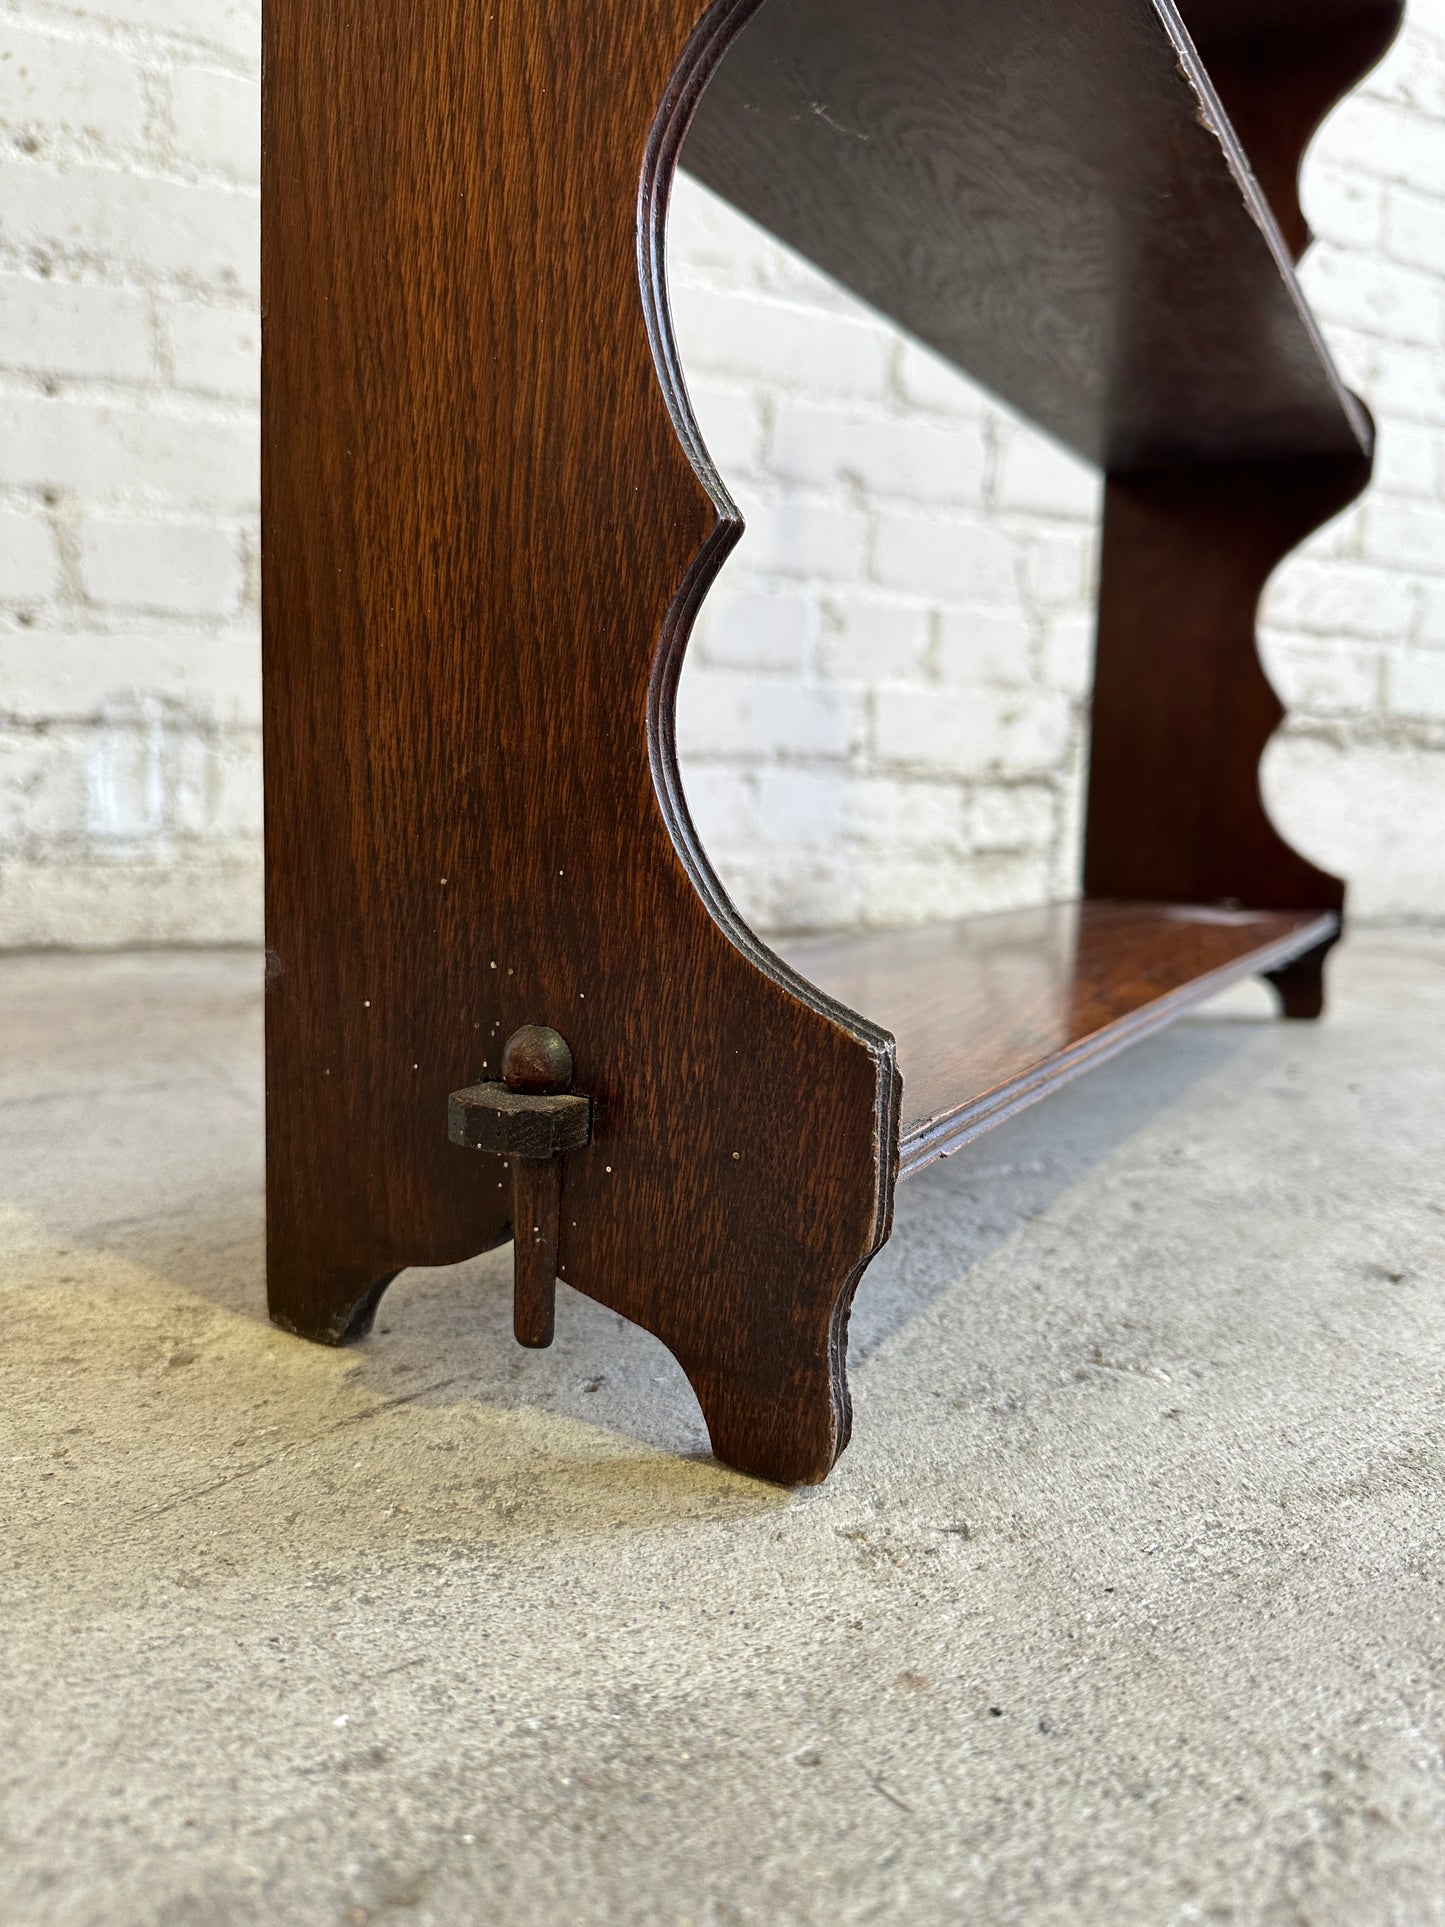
(1182,709)
(479,521)
(489,521)
(1050,196)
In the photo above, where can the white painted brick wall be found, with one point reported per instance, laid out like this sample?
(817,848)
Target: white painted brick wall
(882,712)
(129,663)
(953,628)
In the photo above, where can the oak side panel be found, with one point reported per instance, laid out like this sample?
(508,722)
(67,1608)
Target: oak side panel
(1182,709)
(487,523)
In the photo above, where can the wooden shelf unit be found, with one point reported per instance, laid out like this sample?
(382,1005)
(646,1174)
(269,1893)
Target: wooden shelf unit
(489,521)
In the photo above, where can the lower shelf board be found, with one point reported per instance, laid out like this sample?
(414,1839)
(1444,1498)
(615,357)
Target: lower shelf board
(992,1013)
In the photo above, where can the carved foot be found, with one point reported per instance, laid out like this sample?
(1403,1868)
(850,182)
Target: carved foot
(338,1313)
(1300,986)
(777,1420)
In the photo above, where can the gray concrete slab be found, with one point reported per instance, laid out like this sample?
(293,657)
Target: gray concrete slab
(1124,1606)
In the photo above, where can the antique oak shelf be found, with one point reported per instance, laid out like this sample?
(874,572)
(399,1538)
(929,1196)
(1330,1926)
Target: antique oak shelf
(489,520)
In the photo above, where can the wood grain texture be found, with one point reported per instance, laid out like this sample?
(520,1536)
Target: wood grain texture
(488,522)
(1050,196)
(1182,710)
(992,1013)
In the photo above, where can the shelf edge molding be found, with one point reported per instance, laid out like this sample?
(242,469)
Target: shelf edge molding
(990,1013)
(926,1139)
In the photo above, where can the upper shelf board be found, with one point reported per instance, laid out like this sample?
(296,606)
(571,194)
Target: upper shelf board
(1050,195)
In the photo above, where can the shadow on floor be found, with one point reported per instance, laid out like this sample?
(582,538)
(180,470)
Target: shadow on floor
(949,1220)
(956,1212)
(165,1172)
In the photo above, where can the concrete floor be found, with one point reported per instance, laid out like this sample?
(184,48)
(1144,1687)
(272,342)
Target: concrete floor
(1124,1606)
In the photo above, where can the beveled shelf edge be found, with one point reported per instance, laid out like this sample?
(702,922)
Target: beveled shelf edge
(1213,113)
(939,1136)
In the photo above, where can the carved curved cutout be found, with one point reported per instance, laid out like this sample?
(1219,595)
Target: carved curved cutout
(474,613)
(714,35)
(1183,710)
(732,1419)
(1279,68)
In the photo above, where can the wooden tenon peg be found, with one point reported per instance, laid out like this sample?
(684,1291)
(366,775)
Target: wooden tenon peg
(530,1119)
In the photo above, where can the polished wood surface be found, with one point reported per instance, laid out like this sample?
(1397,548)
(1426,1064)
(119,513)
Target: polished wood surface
(489,521)
(1052,197)
(993,1012)
(488,524)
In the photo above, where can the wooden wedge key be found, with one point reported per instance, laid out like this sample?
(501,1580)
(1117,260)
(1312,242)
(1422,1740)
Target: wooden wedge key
(528,1120)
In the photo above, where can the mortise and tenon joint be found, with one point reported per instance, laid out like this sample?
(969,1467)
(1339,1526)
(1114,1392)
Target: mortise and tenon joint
(529,1119)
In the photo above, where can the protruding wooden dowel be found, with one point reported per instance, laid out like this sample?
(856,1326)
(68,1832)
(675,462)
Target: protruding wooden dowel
(536,1210)
(531,1118)
(536,1062)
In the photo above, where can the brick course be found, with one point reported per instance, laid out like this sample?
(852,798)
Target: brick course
(129,668)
